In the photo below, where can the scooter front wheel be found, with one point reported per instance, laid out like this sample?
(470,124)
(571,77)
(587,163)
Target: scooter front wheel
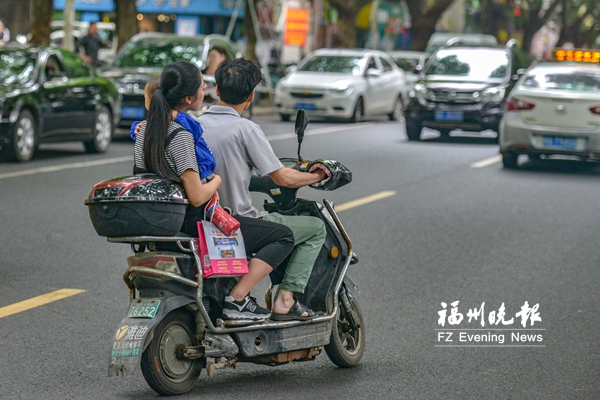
(347,343)
(163,365)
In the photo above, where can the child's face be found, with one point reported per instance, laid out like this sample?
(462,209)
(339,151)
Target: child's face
(198,102)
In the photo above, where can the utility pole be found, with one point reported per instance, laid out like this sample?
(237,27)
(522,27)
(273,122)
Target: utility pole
(69,16)
(374,24)
(317,17)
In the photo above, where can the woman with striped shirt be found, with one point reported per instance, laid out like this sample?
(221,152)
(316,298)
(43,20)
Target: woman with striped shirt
(166,148)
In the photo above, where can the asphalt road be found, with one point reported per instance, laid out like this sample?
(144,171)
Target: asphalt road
(457,227)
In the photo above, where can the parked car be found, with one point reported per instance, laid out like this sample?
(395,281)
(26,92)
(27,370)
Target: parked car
(463,87)
(106,30)
(52,95)
(145,56)
(439,39)
(342,83)
(553,110)
(411,62)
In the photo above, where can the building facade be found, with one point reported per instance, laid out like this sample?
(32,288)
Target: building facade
(185,17)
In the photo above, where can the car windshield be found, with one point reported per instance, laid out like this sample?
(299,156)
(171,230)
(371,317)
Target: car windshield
(350,65)
(470,64)
(159,53)
(579,81)
(17,67)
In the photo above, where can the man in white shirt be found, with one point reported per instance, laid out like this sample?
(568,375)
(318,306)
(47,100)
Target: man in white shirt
(239,145)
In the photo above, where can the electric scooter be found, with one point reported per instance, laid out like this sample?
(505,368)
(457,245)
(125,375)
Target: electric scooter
(174,326)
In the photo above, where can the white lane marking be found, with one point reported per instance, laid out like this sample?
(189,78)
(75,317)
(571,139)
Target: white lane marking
(364,200)
(321,131)
(66,166)
(130,158)
(487,162)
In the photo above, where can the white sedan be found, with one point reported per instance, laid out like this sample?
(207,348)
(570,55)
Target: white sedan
(342,83)
(553,110)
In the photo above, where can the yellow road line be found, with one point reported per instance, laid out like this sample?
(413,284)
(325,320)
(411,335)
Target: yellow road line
(38,301)
(364,200)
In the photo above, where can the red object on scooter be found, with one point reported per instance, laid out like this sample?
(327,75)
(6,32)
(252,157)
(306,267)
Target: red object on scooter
(221,218)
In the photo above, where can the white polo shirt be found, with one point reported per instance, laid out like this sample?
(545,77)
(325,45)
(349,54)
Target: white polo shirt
(239,145)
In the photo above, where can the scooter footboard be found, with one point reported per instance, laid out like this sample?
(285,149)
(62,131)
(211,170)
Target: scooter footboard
(272,341)
(135,333)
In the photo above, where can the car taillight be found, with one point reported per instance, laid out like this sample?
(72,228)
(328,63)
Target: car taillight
(514,104)
(595,110)
(164,262)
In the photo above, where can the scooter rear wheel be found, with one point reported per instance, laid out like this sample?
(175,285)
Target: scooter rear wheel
(163,366)
(347,344)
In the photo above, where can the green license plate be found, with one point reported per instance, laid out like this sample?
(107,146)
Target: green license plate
(143,308)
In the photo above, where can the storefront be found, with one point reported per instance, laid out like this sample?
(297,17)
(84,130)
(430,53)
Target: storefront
(182,17)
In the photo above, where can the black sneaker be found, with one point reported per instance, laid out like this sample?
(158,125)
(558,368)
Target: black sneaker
(245,309)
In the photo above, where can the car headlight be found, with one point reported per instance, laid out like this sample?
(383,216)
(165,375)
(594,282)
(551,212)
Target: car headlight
(131,88)
(418,90)
(492,94)
(282,87)
(342,90)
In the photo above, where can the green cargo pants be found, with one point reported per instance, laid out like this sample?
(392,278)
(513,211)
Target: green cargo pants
(309,236)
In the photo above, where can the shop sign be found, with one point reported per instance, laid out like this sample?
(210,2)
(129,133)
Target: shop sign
(296,26)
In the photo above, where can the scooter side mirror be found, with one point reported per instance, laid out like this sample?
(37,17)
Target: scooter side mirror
(300,127)
(301,124)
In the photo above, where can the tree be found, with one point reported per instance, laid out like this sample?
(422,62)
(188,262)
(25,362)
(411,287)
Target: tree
(580,21)
(42,16)
(424,17)
(347,10)
(127,25)
(529,15)
(250,33)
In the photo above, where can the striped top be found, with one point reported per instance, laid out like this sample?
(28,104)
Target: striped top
(181,152)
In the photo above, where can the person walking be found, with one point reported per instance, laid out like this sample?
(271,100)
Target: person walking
(90,44)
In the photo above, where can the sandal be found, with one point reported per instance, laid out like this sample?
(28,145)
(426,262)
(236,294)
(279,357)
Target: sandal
(295,313)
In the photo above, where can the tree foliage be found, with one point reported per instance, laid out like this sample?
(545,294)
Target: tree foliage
(42,16)
(580,22)
(347,10)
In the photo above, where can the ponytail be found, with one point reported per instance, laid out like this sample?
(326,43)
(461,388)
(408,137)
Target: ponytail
(157,126)
(177,81)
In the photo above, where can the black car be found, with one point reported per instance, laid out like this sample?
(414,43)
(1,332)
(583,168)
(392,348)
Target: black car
(52,95)
(463,87)
(145,56)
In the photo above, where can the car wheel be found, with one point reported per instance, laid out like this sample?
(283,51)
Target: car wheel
(103,132)
(413,129)
(23,142)
(398,110)
(285,117)
(510,160)
(358,111)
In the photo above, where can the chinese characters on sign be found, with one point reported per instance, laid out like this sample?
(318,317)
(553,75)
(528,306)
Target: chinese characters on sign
(585,56)
(495,318)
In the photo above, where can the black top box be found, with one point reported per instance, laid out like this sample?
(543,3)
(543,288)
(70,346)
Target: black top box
(137,205)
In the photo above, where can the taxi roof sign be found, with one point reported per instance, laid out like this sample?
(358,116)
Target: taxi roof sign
(576,55)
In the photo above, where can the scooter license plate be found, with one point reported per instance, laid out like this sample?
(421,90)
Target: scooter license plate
(143,308)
